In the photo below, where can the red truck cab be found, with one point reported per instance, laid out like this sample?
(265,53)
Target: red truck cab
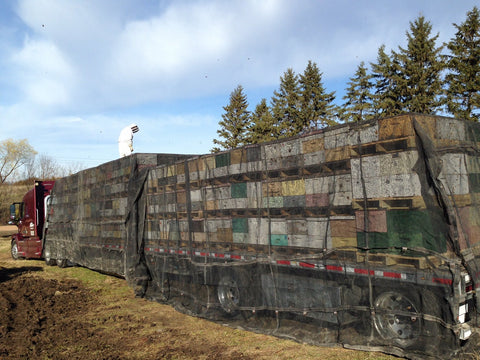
(30,216)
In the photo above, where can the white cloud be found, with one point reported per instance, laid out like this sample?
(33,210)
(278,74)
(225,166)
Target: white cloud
(186,48)
(191,47)
(43,73)
(121,53)
(84,69)
(80,33)
(165,48)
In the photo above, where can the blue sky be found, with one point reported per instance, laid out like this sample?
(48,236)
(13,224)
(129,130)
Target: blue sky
(74,73)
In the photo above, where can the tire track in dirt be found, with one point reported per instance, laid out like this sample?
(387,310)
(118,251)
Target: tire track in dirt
(35,313)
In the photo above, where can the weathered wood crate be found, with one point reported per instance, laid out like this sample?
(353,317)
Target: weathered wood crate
(326,190)
(377,186)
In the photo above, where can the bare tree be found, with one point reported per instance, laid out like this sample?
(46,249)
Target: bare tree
(13,154)
(29,168)
(72,168)
(48,167)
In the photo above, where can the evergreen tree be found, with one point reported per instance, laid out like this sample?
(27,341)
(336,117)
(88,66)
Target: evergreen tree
(359,99)
(419,72)
(235,122)
(386,99)
(262,128)
(286,105)
(316,108)
(463,79)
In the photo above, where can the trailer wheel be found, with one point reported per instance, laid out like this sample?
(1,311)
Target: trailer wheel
(62,263)
(14,250)
(396,318)
(47,255)
(160,292)
(165,291)
(228,294)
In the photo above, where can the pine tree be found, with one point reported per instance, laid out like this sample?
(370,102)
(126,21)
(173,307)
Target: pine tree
(235,122)
(386,99)
(316,108)
(419,70)
(359,99)
(463,79)
(262,128)
(286,105)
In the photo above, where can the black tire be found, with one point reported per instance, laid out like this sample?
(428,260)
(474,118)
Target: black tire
(47,255)
(164,291)
(14,250)
(159,292)
(228,294)
(238,291)
(396,318)
(399,320)
(62,263)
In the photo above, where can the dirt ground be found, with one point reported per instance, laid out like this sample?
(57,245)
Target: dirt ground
(52,313)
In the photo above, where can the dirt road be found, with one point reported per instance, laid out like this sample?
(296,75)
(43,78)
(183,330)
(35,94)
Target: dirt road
(6,230)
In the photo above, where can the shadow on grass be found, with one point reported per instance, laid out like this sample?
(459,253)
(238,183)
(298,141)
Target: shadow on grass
(7,274)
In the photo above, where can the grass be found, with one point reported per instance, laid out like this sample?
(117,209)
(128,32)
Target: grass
(148,330)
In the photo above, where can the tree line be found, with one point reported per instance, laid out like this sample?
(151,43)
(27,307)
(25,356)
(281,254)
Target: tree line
(20,165)
(19,161)
(423,77)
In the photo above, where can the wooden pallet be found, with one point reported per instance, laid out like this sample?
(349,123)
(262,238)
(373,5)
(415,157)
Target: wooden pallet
(383,147)
(400,260)
(408,203)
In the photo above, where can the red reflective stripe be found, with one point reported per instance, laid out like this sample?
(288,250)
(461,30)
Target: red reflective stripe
(307,265)
(235,257)
(364,271)
(283,262)
(392,275)
(442,281)
(220,255)
(334,268)
(203,254)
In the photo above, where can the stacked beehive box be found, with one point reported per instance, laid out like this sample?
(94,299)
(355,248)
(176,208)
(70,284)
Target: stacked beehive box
(357,185)
(88,216)
(375,185)
(87,220)
(460,176)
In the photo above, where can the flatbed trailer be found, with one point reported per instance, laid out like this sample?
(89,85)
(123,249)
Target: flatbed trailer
(363,234)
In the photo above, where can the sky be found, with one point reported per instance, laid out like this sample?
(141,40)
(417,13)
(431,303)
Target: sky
(74,73)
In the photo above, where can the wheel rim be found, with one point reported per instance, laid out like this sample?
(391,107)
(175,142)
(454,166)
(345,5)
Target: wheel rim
(14,251)
(392,319)
(47,255)
(228,294)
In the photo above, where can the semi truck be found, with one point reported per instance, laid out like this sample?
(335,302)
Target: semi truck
(362,234)
(29,216)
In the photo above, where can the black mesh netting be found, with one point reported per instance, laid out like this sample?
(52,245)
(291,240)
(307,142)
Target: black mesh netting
(364,234)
